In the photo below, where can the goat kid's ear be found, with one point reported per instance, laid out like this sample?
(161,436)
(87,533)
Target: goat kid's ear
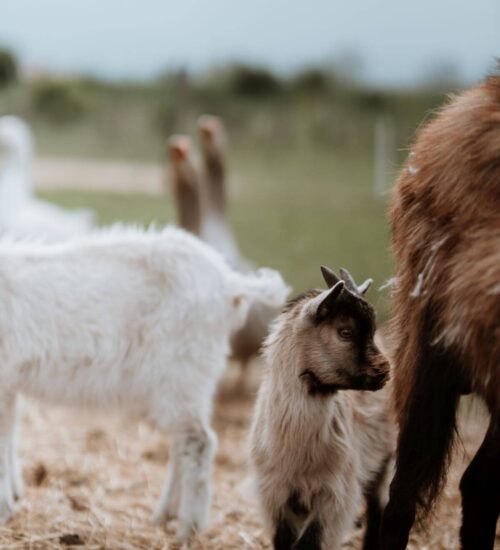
(325,306)
(329,276)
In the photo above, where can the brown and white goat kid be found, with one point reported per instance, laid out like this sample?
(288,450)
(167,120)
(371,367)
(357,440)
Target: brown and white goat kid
(446,325)
(317,446)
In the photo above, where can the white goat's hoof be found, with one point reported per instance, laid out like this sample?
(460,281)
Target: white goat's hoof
(5,512)
(18,489)
(188,529)
(184,532)
(161,517)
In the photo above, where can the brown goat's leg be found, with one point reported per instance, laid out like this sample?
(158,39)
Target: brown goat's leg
(480,488)
(398,516)
(427,428)
(374,511)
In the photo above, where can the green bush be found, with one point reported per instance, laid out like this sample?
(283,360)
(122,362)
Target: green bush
(254,81)
(60,102)
(312,81)
(8,67)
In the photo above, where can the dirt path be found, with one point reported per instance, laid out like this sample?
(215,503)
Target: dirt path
(54,173)
(93,482)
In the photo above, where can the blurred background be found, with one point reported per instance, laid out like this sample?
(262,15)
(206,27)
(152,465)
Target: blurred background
(320,101)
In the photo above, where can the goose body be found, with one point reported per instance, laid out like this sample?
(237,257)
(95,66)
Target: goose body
(21,213)
(200,199)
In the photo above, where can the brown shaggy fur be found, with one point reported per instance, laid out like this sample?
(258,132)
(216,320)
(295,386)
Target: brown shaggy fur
(445,220)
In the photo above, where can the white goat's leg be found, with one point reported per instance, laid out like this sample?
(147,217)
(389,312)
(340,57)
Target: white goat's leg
(198,451)
(14,465)
(168,505)
(7,413)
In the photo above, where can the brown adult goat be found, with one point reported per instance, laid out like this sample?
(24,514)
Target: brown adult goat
(446,236)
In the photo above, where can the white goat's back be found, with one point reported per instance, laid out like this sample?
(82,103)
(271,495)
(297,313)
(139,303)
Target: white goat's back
(107,319)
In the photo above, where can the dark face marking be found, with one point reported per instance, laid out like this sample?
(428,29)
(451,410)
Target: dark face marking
(339,351)
(316,387)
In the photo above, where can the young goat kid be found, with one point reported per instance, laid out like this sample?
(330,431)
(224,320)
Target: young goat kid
(134,321)
(318,448)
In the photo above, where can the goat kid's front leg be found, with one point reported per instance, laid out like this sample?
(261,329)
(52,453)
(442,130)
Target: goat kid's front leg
(377,496)
(284,534)
(7,414)
(198,449)
(296,528)
(168,505)
(311,538)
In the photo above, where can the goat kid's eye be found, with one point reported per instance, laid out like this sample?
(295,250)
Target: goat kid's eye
(346,333)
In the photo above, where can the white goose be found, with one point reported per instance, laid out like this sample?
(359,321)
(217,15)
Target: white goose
(215,227)
(22,214)
(200,201)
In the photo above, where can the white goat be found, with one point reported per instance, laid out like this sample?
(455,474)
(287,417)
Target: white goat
(136,321)
(21,214)
(317,449)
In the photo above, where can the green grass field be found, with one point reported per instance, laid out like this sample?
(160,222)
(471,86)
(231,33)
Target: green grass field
(292,210)
(301,161)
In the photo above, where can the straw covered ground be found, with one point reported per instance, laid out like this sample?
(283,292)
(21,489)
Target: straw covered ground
(92,482)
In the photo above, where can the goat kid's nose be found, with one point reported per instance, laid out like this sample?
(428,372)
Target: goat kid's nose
(377,381)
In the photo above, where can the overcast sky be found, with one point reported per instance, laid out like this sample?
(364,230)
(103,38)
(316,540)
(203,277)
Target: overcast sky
(138,38)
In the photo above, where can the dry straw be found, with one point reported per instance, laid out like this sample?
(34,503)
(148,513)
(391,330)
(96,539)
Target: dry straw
(92,482)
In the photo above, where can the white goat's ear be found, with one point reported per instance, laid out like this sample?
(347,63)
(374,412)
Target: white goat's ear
(365,286)
(329,276)
(325,306)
